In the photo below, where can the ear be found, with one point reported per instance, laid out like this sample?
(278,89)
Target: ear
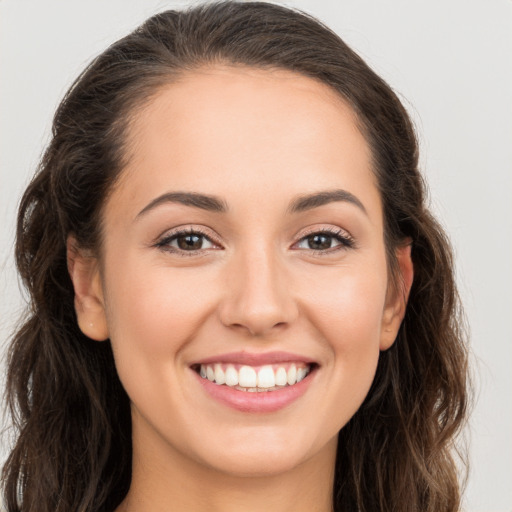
(84,271)
(396,301)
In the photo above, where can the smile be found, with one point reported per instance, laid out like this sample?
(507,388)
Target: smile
(256,383)
(270,377)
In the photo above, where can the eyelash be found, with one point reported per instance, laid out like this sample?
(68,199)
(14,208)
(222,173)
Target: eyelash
(164,243)
(341,236)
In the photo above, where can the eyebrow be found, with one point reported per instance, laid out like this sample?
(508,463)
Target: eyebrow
(316,199)
(215,204)
(194,199)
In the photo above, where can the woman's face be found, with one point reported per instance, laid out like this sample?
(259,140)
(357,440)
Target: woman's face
(243,243)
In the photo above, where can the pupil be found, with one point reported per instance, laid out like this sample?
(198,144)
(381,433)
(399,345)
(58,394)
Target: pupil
(190,242)
(319,242)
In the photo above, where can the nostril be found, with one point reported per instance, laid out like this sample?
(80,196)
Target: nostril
(260,304)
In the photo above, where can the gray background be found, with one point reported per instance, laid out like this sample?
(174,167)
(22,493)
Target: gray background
(451,62)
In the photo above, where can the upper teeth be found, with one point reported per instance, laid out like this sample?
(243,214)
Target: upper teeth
(264,377)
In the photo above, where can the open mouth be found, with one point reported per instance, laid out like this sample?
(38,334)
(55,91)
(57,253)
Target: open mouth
(270,377)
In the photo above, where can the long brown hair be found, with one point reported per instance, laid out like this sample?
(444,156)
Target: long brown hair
(73,449)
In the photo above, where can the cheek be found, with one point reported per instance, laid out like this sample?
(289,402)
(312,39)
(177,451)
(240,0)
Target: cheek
(348,318)
(348,306)
(153,311)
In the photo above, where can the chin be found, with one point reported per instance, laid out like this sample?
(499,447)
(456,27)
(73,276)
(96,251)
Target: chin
(258,464)
(267,455)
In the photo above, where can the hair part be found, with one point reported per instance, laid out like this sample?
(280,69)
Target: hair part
(71,413)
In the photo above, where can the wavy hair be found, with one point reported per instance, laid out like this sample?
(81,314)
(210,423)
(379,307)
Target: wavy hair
(71,414)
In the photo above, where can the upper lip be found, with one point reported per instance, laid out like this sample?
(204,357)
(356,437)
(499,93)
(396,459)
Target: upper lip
(255,359)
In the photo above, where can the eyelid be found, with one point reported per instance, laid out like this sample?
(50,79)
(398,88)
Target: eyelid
(323,228)
(187,229)
(346,240)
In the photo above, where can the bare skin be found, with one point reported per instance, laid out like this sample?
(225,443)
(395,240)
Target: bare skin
(209,490)
(250,268)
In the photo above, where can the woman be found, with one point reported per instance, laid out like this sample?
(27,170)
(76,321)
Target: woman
(239,298)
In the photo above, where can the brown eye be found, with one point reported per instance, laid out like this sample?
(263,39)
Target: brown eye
(326,241)
(186,241)
(190,242)
(319,241)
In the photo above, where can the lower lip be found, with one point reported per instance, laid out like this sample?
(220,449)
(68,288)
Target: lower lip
(256,402)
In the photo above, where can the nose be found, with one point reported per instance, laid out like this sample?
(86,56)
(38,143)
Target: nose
(258,298)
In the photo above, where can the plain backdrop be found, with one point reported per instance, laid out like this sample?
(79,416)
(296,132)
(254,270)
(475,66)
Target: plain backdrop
(450,61)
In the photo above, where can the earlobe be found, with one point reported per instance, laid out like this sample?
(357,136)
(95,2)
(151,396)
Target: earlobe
(396,302)
(85,274)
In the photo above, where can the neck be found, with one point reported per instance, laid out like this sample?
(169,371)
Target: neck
(173,481)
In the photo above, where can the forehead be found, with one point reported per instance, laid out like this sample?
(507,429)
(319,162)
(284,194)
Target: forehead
(228,129)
